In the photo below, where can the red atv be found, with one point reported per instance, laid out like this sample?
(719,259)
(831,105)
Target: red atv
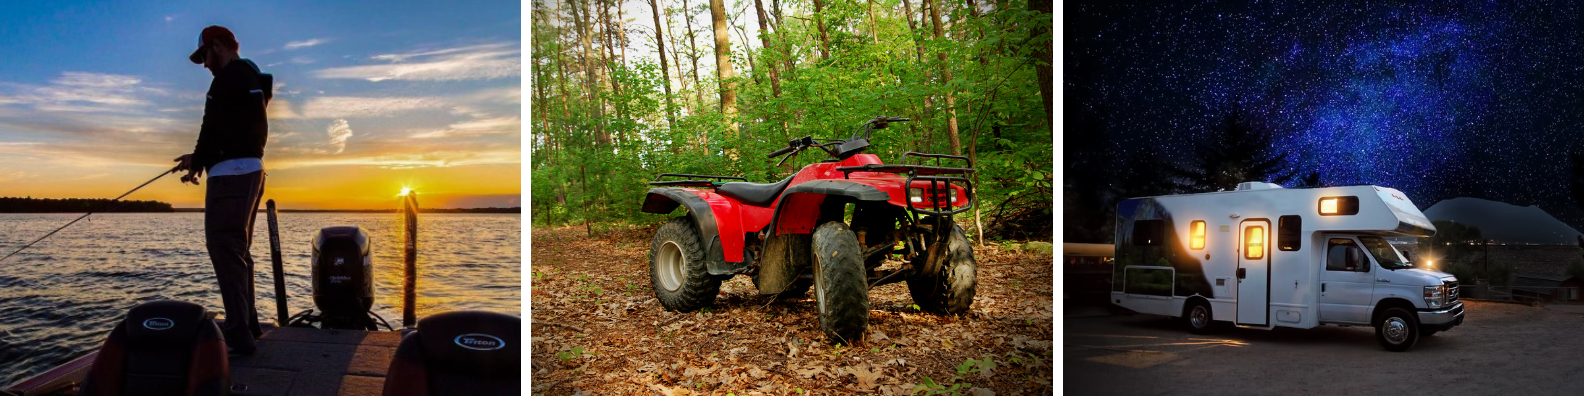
(830,226)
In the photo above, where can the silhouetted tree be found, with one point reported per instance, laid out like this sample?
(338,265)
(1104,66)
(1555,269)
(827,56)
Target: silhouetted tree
(1145,175)
(1577,164)
(1240,151)
(1311,180)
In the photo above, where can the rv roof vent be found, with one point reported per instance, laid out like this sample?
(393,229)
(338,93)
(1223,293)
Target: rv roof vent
(1247,186)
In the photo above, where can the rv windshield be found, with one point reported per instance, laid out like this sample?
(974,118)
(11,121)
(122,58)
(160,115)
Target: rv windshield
(1384,253)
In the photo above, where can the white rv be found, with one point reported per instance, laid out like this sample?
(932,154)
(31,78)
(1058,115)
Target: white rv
(1262,256)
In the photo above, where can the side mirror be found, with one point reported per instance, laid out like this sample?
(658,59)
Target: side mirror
(1355,259)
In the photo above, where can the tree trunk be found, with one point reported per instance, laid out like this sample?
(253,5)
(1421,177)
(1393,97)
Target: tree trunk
(698,91)
(723,65)
(764,38)
(590,74)
(621,32)
(819,20)
(1044,53)
(922,144)
(951,102)
(665,71)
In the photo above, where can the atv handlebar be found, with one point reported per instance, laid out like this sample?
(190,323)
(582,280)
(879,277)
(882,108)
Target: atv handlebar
(784,150)
(843,148)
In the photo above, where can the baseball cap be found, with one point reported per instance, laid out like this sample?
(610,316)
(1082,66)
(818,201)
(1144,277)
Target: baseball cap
(210,34)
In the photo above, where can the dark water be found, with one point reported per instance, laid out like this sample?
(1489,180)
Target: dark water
(60,298)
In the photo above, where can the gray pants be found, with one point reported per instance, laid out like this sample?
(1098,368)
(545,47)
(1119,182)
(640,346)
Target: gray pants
(230,205)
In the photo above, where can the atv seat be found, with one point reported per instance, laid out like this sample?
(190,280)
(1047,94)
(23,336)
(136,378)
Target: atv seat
(756,194)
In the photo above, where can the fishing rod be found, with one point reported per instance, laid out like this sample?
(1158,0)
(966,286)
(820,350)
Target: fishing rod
(85,215)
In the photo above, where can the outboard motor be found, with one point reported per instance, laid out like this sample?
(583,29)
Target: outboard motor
(343,278)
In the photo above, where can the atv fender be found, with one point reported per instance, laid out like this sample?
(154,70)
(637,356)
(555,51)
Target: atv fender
(715,215)
(798,208)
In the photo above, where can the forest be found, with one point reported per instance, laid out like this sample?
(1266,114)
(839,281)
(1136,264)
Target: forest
(624,90)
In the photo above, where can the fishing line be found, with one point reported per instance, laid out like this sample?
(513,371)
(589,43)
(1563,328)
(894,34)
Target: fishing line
(85,215)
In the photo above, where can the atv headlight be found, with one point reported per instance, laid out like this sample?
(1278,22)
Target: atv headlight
(916,195)
(1435,296)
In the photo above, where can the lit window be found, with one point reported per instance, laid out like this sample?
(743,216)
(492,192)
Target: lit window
(1254,243)
(1196,239)
(1328,206)
(1339,206)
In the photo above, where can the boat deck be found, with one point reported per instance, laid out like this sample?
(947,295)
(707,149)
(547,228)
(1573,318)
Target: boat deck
(304,361)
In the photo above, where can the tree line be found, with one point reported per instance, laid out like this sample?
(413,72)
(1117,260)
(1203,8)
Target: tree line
(618,99)
(77,205)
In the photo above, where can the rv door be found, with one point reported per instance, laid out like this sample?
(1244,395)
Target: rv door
(1253,273)
(1347,287)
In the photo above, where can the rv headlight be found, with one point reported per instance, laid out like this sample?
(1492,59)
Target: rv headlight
(1435,296)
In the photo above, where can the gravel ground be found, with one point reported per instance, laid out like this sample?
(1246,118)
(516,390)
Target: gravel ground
(1499,349)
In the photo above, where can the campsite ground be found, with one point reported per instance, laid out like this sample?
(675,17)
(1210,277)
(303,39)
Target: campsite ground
(1500,349)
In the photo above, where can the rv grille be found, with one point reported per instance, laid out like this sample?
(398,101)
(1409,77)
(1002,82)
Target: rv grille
(1452,291)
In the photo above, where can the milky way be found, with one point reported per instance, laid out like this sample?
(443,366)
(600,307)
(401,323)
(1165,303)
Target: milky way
(1440,100)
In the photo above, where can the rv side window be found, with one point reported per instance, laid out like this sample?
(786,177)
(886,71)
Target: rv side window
(1289,233)
(1196,235)
(1339,206)
(1343,254)
(1148,232)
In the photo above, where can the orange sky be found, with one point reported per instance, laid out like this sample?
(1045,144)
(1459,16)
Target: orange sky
(349,126)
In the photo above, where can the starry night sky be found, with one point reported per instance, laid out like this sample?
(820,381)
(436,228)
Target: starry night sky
(1440,100)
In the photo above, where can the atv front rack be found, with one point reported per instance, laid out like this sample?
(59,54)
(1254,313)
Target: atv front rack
(693,182)
(927,173)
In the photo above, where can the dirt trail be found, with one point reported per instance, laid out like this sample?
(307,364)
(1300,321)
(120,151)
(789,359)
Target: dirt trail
(599,330)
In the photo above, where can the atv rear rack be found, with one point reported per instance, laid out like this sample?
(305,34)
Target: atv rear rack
(690,182)
(928,173)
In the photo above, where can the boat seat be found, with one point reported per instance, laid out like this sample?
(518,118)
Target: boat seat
(468,353)
(756,194)
(162,348)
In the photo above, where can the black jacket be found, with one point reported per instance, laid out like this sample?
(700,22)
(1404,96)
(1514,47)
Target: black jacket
(234,124)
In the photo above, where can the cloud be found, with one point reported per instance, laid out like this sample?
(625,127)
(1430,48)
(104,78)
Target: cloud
(339,131)
(301,60)
(305,43)
(354,106)
(475,62)
(84,92)
(427,159)
(476,127)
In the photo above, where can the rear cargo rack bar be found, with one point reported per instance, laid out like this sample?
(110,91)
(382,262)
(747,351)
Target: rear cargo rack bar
(937,183)
(692,182)
(937,157)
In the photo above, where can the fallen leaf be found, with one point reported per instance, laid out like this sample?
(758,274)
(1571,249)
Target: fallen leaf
(669,391)
(878,337)
(977,391)
(809,373)
(866,377)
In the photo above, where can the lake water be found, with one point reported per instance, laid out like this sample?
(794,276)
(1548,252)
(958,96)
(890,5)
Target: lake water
(60,298)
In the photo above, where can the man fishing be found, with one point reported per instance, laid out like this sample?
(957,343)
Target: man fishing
(231,149)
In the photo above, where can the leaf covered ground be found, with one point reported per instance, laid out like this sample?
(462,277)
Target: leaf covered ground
(598,330)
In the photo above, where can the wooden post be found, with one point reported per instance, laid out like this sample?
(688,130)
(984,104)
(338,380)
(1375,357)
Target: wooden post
(410,261)
(275,262)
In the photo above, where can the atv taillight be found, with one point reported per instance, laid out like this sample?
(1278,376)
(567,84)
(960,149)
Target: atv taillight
(916,195)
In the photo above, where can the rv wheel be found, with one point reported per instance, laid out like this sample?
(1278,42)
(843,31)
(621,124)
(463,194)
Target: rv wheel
(676,267)
(1199,318)
(945,286)
(1397,329)
(840,287)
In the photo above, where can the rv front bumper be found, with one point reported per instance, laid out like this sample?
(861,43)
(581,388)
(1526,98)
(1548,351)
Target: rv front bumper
(1449,316)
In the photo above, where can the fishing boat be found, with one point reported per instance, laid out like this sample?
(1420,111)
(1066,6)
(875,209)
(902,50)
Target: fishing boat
(172,347)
